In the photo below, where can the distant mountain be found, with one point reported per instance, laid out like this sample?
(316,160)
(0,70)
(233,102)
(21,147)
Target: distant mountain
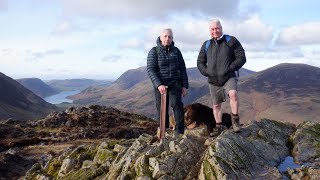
(133,91)
(38,87)
(289,79)
(285,91)
(133,76)
(194,74)
(76,84)
(282,92)
(20,103)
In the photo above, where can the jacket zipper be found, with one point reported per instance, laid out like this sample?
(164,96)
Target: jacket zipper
(168,58)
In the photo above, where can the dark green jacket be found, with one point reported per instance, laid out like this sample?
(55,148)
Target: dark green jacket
(221,60)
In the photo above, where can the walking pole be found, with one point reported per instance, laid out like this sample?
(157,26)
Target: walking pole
(163,112)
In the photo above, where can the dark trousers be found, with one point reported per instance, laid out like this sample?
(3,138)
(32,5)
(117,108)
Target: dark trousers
(174,96)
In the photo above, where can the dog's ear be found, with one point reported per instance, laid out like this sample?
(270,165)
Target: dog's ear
(188,116)
(172,122)
(192,125)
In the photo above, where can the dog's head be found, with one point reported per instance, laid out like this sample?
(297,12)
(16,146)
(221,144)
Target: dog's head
(188,115)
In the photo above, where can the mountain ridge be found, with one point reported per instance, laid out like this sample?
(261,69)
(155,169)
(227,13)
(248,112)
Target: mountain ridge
(261,93)
(76,84)
(18,102)
(38,87)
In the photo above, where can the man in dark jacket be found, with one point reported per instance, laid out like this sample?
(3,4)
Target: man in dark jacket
(218,61)
(166,67)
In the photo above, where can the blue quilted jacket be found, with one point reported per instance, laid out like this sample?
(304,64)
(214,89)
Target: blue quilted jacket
(167,67)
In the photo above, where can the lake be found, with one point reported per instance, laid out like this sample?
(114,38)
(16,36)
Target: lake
(61,97)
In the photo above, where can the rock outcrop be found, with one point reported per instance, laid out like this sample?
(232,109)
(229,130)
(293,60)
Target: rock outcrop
(251,154)
(306,151)
(13,165)
(306,142)
(254,153)
(91,122)
(38,140)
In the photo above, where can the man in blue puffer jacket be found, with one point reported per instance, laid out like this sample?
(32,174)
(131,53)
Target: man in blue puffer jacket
(166,67)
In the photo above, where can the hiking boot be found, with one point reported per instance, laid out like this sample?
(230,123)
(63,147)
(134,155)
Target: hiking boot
(235,123)
(217,130)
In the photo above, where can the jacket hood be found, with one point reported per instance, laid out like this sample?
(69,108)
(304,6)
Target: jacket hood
(161,46)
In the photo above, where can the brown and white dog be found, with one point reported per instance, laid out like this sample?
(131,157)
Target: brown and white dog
(198,115)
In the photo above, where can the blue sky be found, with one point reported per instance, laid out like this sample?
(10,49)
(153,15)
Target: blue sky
(101,39)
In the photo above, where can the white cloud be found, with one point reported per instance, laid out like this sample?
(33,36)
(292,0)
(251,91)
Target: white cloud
(34,56)
(260,60)
(105,38)
(111,58)
(312,52)
(283,53)
(301,34)
(62,28)
(133,43)
(189,33)
(66,27)
(7,51)
(149,9)
(252,31)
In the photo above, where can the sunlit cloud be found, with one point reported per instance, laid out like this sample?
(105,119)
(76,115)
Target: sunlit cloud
(301,34)
(105,38)
(111,58)
(131,43)
(35,56)
(7,51)
(66,27)
(152,9)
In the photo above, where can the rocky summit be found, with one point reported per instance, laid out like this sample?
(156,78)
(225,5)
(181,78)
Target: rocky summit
(254,153)
(92,122)
(25,142)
